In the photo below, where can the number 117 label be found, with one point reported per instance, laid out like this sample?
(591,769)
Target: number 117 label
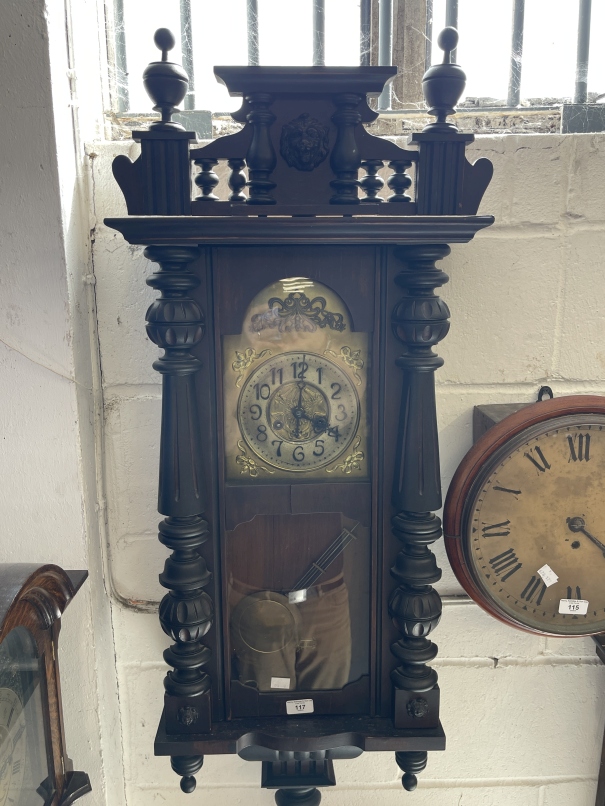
(299,706)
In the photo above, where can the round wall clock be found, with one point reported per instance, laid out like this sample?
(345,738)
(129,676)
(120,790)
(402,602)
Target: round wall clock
(524,518)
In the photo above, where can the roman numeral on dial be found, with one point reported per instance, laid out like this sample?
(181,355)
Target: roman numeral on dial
(496,529)
(505,565)
(579,447)
(533,587)
(537,458)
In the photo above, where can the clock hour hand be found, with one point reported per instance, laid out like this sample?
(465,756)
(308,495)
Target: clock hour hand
(578,524)
(298,411)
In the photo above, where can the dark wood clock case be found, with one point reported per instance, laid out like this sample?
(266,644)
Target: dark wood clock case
(303,146)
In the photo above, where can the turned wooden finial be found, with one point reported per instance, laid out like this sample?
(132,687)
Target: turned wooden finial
(166,82)
(164,41)
(443,84)
(448,42)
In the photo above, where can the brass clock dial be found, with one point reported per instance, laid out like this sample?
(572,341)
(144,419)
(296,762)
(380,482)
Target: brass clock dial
(298,411)
(295,384)
(530,542)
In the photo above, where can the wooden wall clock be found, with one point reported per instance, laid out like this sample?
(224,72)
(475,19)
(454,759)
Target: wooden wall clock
(34,766)
(299,467)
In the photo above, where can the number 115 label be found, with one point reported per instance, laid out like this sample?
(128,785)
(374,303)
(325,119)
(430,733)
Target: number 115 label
(576,607)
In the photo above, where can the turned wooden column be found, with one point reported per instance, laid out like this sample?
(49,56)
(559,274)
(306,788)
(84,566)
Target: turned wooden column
(175,323)
(419,321)
(345,160)
(261,157)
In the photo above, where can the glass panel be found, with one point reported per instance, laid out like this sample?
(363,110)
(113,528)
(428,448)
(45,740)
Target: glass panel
(24,770)
(293,625)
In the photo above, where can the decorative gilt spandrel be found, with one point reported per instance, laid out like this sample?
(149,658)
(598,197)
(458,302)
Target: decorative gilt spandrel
(295,387)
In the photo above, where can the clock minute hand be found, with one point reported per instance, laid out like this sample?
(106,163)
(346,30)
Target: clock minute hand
(577,524)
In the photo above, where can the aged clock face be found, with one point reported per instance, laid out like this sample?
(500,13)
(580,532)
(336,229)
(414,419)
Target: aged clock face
(298,411)
(13,748)
(533,527)
(25,775)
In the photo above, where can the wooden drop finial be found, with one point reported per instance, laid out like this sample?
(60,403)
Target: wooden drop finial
(166,82)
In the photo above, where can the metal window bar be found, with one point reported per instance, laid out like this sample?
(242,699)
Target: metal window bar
(365,32)
(187,52)
(252,23)
(581,90)
(516,54)
(385,47)
(122,94)
(319,33)
(429,35)
(451,20)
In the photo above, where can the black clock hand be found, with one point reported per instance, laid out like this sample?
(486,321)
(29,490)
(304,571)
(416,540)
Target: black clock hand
(577,524)
(298,411)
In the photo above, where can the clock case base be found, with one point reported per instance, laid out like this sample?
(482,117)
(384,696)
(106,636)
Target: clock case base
(297,755)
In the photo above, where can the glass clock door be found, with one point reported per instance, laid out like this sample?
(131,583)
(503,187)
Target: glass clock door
(297,520)
(25,777)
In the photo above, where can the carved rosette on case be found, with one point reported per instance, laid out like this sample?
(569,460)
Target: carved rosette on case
(419,321)
(175,323)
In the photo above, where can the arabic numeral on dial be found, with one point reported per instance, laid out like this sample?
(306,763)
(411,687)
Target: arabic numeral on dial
(319,374)
(255,412)
(298,453)
(342,415)
(319,443)
(574,593)
(275,373)
(263,391)
(333,432)
(279,443)
(299,370)
(336,393)
(261,433)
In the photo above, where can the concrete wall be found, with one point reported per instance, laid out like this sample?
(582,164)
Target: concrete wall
(47,469)
(524,715)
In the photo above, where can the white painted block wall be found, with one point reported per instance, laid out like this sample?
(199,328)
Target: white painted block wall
(48,502)
(524,715)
